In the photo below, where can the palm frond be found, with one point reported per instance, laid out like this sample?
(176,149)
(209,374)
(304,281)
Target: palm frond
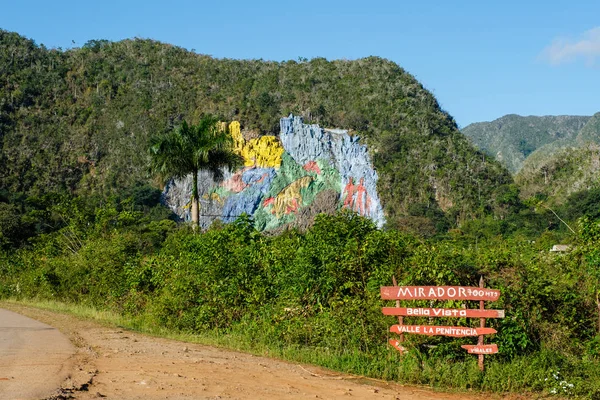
(191,148)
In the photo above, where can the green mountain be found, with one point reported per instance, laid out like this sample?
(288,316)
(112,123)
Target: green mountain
(79,121)
(561,168)
(512,139)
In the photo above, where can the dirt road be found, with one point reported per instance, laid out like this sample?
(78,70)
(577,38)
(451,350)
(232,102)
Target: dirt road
(35,358)
(113,363)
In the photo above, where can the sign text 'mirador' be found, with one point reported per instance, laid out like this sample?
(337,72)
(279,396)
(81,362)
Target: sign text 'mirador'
(438,293)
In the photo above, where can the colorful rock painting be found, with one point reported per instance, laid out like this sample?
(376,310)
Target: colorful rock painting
(289,199)
(284,176)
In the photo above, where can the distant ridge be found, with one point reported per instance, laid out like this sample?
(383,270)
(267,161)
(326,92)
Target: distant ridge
(511,139)
(563,167)
(551,157)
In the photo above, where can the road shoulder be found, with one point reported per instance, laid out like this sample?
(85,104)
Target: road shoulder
(115,363)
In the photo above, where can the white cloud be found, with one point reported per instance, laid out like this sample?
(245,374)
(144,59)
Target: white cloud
(563,50)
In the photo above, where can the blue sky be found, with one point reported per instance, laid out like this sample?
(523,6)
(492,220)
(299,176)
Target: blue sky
(481,59)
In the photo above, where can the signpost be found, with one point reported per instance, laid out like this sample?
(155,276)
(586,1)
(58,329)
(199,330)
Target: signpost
(397,345)
(465,293)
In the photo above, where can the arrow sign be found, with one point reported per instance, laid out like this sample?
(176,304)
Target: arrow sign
(438,293)
(442,312)
(397,346)
(455,331)
(481,348)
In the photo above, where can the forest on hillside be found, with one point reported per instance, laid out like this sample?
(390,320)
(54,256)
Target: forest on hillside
(79,121)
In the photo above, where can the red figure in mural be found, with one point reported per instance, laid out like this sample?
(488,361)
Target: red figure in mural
(292,207)
(349,190)
(235,183)
(361,197)
(312,166)
(262,178)
(357,197)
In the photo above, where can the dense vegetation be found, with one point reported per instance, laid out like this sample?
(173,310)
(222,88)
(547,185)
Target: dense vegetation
(80,121)
(557,176)
(314,296)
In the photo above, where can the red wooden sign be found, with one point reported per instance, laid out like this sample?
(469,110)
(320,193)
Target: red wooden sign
(481,348)
(397,345)
(438,293)
(480,294)
(442,312)
(437,330)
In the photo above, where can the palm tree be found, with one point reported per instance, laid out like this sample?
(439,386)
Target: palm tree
(191,148)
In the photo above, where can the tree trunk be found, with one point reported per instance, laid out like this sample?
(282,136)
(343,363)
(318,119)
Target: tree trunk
(598,307)
(195,201)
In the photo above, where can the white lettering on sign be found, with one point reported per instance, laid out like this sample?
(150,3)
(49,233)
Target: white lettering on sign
(409,328)
(442,312)
(441,330)
(439,292)
(445,330)
(481,349)
(437,312)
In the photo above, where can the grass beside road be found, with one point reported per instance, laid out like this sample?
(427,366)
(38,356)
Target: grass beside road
(459,376)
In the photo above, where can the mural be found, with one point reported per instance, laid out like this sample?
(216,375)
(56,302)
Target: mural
(286,180)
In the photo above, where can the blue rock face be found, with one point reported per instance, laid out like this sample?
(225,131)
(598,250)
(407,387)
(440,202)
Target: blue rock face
(258,181)
(250,190)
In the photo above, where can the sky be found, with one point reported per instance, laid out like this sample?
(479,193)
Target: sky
(481,59)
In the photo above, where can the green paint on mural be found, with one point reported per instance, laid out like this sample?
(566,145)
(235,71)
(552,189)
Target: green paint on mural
(294,188)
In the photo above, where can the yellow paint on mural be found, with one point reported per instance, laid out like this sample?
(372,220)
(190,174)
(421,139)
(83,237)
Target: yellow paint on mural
(289,199)
(236,134)
(263,152)
(214,197)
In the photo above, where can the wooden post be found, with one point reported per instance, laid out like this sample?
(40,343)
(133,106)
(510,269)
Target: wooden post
(400,318)
(481,325)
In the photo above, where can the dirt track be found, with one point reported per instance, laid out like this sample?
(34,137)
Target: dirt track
(117,364)
(35,358)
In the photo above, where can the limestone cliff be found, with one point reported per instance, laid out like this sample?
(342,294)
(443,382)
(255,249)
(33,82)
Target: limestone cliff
(286,180)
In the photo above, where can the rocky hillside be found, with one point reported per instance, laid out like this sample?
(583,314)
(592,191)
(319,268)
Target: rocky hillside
(79,121)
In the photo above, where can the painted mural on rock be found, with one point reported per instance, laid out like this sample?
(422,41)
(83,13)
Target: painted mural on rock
(286,180)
